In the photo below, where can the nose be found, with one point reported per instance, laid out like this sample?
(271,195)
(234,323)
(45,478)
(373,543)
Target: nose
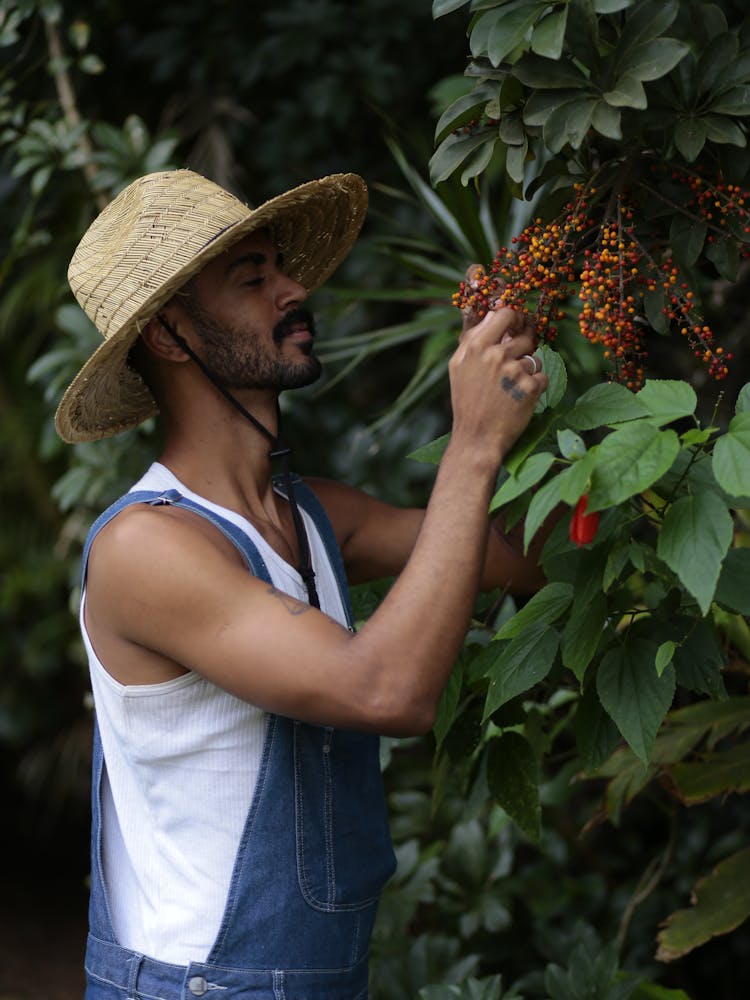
(289,292)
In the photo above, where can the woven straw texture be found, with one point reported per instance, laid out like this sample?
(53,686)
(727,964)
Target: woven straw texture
(151,239)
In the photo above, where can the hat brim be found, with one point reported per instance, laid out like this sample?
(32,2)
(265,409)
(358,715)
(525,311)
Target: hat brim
(314,226)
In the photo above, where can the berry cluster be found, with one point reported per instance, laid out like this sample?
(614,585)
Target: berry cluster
(611,271)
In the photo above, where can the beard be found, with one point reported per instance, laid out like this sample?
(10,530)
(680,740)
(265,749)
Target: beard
(237,357)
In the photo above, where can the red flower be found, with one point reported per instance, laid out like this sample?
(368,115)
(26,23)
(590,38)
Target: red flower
(583,526)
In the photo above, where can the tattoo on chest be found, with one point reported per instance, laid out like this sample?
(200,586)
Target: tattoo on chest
(510,385)
(292,605)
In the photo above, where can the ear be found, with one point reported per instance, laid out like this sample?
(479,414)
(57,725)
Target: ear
(159,341)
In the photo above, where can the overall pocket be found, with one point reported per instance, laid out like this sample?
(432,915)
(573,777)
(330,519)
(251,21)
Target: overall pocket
(344,852)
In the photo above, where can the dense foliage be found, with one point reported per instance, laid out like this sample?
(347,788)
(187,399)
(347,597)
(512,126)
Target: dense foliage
(586,772)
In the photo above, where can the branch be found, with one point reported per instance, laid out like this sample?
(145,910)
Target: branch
(67,98)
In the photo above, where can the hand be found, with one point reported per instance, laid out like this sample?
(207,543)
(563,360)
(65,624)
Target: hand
(471,316)
(492,390)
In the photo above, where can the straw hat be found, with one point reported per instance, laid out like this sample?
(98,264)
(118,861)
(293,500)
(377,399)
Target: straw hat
(151,239)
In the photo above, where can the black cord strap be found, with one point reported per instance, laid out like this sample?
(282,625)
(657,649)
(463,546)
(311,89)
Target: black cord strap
(279,450)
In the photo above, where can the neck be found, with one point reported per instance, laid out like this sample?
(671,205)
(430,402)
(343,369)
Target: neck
(218,453)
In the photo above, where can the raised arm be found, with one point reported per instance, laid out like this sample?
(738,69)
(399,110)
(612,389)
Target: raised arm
(197,608)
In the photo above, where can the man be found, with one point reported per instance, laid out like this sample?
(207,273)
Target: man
(239,832)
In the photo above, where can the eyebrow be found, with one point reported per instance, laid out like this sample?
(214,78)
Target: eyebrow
(253,257)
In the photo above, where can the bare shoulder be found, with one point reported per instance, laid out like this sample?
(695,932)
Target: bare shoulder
(156,536)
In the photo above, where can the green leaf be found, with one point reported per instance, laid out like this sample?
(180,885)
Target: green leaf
(554,368)
(667,400)
(513,779)
(694,538)
(628,461)
(510,29)
(527,475)
(721,129)
(743,399)
(441,7)
(725,256)
(735,101)
(605,404)
(634,695)
(524,662)
(549,34)
(465,107)
(653,59)
(611,6)
(713,775)
(731,457)
(568,124)
(664,656)
(545,606)
(582,633)
(654,302)
(607,120)
(596,734)
(570,444)
(449,700)
(722,902)
(690,137)
(542,504)
(548,74)
(431,453)
(627,92)
(732,590)
(542,103)
(453,150)
(515,161)
(687,236)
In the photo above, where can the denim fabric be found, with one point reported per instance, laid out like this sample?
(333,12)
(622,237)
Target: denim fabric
(313,857)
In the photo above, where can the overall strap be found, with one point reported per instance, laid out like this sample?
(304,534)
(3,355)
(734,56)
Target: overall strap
(239,539)
(309,502)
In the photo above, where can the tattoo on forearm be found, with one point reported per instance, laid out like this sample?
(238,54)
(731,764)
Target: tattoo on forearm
(510,385)
(292,605)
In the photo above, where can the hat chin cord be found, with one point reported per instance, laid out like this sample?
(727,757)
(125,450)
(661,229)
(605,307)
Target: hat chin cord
(279,450)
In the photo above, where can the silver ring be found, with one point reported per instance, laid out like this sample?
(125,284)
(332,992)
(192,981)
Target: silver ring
(536,364)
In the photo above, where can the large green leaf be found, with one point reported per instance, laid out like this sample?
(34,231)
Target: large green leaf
(687,236)
(452,151)
(548,74)
(694,538)
(667,400)
(545,606)
(722,902)
(714,775)
(690,137)
(542,504)
(605,404)
(733,588)
(627,92)
(549,34)
(525,661)
(441,7)
(513,779)
(582,633)
(731,457)
(527,475)
(634,695)
(653,59)
(628,461)
(596,734)
(510,29)
(568,124)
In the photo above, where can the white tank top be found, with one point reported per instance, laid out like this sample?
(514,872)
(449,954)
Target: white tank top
(182,760)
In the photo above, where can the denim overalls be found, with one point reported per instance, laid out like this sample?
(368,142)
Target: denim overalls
(313,857)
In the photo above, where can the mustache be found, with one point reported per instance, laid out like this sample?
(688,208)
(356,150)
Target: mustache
(295,317)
